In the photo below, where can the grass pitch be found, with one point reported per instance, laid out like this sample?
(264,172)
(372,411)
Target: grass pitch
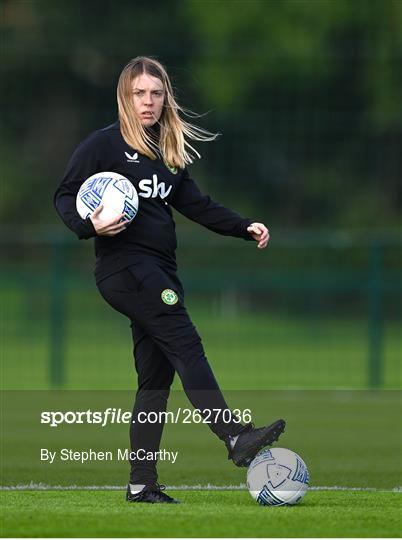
(202,514)
(247,349)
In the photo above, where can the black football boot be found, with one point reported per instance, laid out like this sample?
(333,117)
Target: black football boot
(251,440)
(150,494)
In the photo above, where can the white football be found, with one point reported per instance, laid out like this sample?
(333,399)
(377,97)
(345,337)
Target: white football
(115,192)
(277,477)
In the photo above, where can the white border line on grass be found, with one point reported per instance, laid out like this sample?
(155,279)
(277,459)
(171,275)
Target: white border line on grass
(198,487)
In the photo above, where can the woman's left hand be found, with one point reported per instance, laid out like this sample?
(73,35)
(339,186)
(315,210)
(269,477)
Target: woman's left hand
(260,234)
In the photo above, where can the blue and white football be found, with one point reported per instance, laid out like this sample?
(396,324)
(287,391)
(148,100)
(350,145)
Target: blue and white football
(277,477)
(115,192)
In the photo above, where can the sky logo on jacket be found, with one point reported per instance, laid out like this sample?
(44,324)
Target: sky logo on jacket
(150,189)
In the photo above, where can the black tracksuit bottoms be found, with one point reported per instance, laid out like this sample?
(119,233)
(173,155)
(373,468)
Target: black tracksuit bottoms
(165,341)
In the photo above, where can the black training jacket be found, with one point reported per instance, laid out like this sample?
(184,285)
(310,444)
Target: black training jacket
(152,232)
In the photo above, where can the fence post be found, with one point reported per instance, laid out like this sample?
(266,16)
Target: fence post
(57,314)
(375,360)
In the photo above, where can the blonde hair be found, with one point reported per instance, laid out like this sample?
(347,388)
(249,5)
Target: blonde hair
(173,146)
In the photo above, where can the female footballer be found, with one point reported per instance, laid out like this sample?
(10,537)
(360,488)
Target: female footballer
(136,267)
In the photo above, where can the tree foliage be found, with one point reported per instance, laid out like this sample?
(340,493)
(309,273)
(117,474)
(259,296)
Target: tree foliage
(307,95)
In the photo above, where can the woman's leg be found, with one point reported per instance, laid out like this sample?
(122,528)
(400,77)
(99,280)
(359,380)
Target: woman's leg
(137,293)
(155,376)
(167,322)
(170,328)
(140,293)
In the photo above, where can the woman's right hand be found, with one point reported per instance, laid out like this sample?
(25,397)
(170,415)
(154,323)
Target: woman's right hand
(109,227)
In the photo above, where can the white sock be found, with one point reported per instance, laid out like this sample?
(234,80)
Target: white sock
(233,441)
(136,488)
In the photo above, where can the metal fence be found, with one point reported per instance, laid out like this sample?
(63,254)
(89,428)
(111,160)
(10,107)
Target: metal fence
(315,310)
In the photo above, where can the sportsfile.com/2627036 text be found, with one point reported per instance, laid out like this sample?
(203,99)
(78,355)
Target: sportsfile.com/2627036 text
(113,415)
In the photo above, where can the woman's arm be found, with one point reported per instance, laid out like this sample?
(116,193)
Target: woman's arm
(190,202)
(85,162)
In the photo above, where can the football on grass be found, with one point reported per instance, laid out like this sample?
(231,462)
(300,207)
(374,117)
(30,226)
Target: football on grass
(115,192)
(277,477)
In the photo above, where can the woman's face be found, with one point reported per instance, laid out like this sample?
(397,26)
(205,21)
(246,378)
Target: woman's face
(149,97)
